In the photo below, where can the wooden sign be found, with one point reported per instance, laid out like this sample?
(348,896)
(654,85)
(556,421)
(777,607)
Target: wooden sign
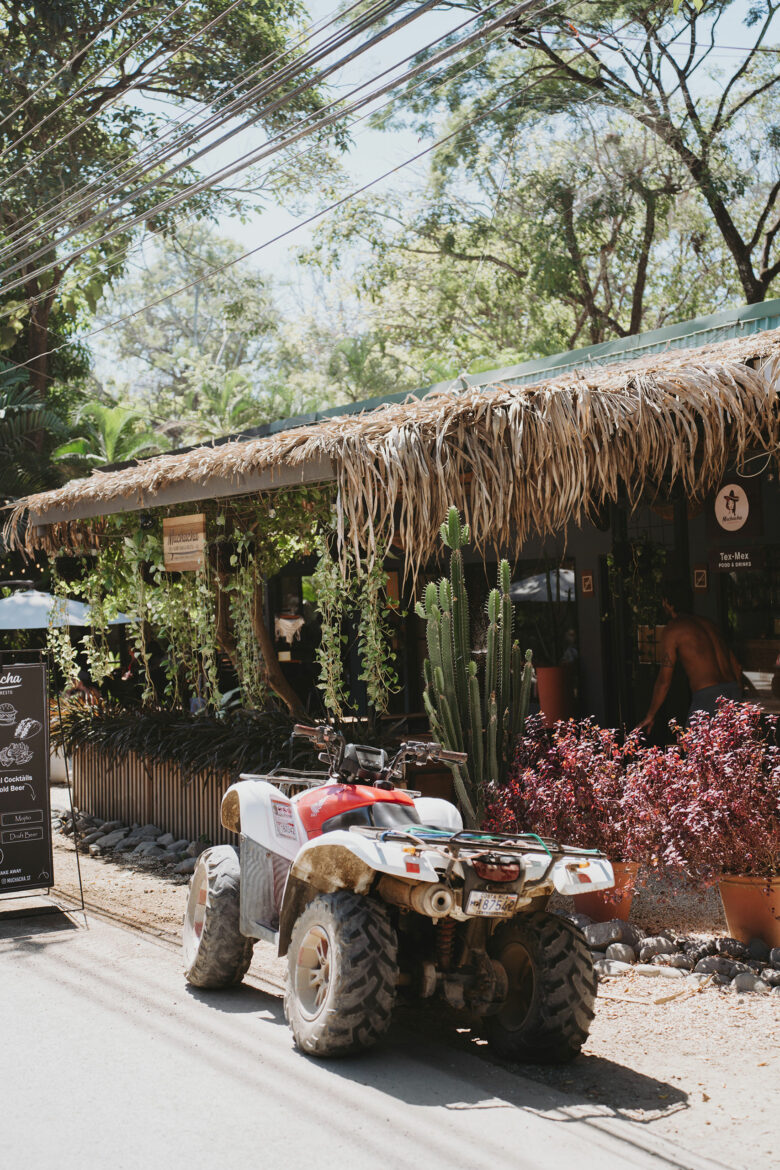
(184,541)
(586,584)
(701,579)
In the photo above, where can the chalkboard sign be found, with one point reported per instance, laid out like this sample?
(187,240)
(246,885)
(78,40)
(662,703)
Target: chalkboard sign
(25,817)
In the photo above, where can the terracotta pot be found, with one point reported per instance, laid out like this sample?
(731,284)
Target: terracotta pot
(556,700)
(604,905)
(752,910)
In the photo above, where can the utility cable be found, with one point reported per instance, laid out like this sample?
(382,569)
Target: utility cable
(96,186)
(215,270)
(274,84)
(121,255)
(204,184)
(86,84)
(79,53)
(144,166)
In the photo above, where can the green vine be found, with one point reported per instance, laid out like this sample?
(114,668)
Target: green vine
(375,636)
(332,591)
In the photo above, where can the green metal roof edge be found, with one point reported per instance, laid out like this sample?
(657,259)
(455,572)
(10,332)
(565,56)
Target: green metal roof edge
(746,319)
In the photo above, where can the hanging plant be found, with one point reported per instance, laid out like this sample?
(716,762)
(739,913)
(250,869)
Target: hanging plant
(375,636)
(58,641)
(332,593)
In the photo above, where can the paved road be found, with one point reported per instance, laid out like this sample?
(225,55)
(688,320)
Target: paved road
(109,1060)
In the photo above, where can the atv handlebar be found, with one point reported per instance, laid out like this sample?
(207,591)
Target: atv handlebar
(332,744)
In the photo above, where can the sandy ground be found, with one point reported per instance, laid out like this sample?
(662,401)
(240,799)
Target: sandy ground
(702,1069)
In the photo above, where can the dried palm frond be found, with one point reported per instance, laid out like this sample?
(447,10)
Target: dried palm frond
(512,459)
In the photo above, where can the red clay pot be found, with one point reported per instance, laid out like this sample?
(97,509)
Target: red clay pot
(752,909)
(604,905)
(553,684)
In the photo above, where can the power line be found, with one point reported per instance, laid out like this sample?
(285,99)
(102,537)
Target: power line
(212,121)
(120,255)
(226,172)
(297,68)
(35,223)
(215,270)
(85,85)
(79,53)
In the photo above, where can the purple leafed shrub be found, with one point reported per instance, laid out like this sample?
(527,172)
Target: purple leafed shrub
(710,804)
(568,784)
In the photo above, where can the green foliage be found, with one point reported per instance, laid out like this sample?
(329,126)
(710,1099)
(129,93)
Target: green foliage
(135,75)
(111,434)
(233,742)
(485,726)
(342,593)
(27,428)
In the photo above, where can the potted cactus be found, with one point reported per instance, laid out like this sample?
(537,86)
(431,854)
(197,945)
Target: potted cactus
(482,717)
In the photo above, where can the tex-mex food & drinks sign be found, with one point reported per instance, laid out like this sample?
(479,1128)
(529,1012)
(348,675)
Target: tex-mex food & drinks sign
(25,818)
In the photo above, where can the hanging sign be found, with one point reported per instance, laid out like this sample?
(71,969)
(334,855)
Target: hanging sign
(731,507)
(184,541)
(25,815)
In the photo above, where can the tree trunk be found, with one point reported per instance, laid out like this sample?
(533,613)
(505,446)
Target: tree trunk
(274,674)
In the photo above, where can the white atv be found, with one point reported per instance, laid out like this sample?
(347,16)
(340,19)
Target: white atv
(369,888)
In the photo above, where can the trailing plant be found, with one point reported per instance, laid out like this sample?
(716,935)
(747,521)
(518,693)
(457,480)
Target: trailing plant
(483,725)
(375,635)
(333,606)
(241,587)
(640,572)
(58,640)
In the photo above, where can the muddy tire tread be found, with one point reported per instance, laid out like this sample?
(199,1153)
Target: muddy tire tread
(224,954)
(364,994)
(562,1008)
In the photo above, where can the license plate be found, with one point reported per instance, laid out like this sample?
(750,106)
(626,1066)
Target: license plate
(485,904)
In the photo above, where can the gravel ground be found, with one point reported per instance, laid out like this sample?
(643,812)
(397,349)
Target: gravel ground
(702,1069)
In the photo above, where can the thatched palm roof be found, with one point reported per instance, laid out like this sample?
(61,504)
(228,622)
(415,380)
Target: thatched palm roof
(514,459)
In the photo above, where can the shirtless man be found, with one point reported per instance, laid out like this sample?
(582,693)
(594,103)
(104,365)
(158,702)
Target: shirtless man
(712,669)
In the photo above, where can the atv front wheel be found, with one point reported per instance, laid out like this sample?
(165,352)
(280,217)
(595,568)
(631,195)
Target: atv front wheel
(547,1013)
(341,975)
(216,953)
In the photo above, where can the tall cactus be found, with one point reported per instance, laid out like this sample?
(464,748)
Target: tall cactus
(483,725)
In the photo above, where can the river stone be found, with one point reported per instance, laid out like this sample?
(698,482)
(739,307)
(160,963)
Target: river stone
(677,962)
(621,952)
(719,965)
(580,920)
(147,849)
(165,840)
(111,840)
(90,838)
(195,848)
(180,846)
(774,957)
(745,981)
(771,977)
(671,973)
(186,866)
(109,826)
(646,969)
(656,946)
(732,948)
(94,850)
(759,950)
(168,858)
(610,967)
(126,846)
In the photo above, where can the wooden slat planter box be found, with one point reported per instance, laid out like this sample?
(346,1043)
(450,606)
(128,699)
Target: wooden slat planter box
(159,794)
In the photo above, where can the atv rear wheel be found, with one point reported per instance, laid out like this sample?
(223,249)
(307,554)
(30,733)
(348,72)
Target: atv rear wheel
(216,953)
(341,975)
(547,1013)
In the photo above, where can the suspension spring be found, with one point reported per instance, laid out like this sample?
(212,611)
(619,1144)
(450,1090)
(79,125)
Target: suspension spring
(445,943)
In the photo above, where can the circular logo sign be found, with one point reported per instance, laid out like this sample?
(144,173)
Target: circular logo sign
(731,507)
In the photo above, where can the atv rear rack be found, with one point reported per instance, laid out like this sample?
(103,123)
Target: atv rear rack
(476,841)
